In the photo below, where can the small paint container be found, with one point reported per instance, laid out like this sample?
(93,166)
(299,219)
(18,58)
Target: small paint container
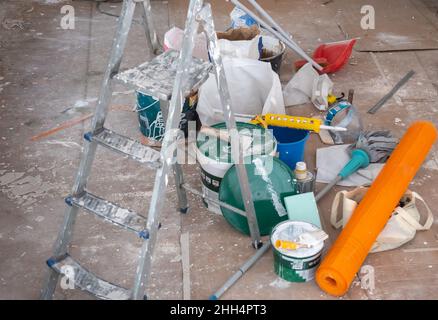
(295,265)
(307,184)
(305,179)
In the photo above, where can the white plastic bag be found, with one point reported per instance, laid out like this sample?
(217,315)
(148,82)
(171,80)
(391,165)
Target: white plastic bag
(254,89)
(249,48)
(299,89)
(239,49)
(174,37)
(307,85)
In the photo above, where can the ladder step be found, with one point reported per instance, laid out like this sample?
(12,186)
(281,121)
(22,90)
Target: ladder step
(87,281)
(127,146)
(156,77)
(110,212)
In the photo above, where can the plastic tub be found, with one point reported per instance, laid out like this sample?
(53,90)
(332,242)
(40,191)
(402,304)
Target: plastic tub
(290,144)
(214,166)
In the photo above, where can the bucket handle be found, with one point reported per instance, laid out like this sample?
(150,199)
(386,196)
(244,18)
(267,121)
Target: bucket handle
(144,108)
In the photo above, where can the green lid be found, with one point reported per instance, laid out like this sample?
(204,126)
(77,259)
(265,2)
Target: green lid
(268,191)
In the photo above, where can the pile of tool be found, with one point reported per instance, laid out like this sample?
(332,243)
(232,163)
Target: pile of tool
(273,145)
(283,188)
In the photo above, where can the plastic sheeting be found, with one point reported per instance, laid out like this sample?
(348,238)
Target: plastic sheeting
(254,89)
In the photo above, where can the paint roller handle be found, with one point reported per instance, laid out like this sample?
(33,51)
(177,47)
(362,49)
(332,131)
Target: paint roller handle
(359,159)
(248,264)
(327,188)
(213,132)
(289,245)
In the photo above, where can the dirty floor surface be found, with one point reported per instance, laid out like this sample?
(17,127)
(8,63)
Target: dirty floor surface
(49,75)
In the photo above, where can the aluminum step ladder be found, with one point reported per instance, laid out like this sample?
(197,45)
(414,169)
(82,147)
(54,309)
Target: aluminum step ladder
(171,76)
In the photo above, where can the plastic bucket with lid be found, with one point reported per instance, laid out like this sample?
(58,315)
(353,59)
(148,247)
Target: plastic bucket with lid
(215,163)
(295,265)
(291,144)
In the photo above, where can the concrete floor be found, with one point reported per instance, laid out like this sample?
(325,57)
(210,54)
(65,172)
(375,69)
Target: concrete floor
(49,75)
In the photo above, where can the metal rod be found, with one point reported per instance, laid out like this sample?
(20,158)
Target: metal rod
(217,202)
(185,261)
(387,96)
(289,42)
(327,188)
(236,143)
(266,15)
(248,264)
(161,179)
(151,34)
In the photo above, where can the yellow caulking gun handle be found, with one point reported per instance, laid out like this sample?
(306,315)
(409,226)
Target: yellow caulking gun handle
(283,120)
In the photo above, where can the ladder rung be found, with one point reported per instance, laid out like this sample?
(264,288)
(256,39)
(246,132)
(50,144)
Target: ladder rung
(127,146)
(110,212)
(156,77)
(87,281)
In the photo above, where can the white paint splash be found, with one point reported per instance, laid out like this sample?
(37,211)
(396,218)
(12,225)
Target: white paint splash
(68,144)
(23,190)
(394,39)
(280,284)
(52,1)
(432,164)
(261,170)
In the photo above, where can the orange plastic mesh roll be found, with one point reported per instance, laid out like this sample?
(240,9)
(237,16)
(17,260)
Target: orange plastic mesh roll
(349,251)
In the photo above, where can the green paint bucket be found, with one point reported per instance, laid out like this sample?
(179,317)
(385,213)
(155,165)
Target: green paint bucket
(150,117)
(268,191)
(295,265)
(214,163)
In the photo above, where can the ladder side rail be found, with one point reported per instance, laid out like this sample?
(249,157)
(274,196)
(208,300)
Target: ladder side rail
(64,236)
(148,24)
(236,146)
(167,149)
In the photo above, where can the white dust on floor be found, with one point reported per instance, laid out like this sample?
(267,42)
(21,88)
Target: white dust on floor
(432,164)
(67,144)
(393,39)
(280,283)
(23,189)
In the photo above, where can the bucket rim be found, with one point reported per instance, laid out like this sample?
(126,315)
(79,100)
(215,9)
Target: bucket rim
(283,50)
(315,252)
(304,139)
(270,141)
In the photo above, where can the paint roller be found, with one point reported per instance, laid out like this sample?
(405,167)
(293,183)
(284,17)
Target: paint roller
(349,251)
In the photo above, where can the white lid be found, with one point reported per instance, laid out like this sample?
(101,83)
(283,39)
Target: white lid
(291,230)
(301,166)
